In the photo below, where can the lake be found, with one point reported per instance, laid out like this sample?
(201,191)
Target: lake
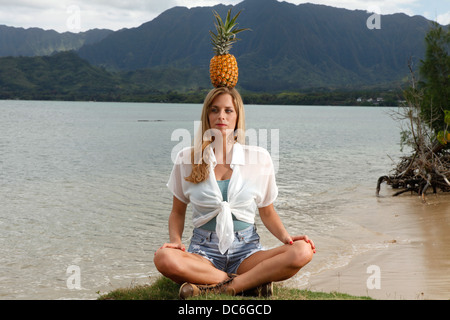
(83,196)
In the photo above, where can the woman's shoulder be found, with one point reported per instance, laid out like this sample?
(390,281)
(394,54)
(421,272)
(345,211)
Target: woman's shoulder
(254,153)
(255,149)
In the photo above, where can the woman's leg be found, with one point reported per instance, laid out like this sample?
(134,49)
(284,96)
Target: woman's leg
(272,265)
(181,266)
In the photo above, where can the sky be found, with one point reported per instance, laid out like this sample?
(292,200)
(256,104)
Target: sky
(83,15)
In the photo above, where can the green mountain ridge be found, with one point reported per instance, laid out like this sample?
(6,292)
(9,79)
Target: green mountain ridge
(65,76)
(62,76)
(291,48)
(38,42)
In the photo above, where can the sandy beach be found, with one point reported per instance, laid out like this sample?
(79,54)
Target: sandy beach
(414,261)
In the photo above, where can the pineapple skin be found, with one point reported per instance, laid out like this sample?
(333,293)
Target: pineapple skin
(224,71)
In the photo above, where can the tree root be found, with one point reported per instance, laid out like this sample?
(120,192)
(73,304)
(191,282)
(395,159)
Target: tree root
(417,173)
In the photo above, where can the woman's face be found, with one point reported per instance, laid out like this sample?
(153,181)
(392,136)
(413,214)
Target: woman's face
(222,114)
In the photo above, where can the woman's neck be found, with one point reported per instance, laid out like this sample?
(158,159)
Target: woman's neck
(224,154)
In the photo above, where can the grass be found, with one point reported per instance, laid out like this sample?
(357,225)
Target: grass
(165,289)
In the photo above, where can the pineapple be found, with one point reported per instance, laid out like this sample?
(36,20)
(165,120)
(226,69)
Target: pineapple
(223,67)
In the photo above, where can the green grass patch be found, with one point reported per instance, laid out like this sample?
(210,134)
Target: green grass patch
(165,289)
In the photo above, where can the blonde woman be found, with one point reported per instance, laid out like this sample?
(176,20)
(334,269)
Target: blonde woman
(226,182)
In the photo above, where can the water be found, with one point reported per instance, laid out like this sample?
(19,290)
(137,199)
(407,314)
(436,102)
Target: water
(83,184)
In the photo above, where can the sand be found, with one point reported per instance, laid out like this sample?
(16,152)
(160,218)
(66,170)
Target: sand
(413,263)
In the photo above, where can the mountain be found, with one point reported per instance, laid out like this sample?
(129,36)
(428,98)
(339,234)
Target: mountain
(290,47)
(39,42)
(65,76)
(62,76)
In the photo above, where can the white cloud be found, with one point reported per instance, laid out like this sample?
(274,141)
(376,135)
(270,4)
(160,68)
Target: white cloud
(111,14)
(383,6)
(205,3)
(29,4)
(54,14)
(117,14)
(444,18)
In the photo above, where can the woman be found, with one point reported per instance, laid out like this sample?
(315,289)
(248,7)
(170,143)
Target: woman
(225,182)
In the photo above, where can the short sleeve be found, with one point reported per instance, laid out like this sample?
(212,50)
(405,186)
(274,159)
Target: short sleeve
(177,179)
(267,182)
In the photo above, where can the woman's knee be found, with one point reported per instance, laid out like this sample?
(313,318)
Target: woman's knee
(301,253)
(166,261)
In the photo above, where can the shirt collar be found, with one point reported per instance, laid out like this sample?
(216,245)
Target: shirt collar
(238,157)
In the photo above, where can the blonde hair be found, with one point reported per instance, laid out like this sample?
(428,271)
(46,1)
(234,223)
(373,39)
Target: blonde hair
(200,169)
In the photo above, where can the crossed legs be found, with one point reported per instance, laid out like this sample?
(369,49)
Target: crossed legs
(265,266)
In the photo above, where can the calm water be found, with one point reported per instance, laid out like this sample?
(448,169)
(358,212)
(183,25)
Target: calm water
(83,184)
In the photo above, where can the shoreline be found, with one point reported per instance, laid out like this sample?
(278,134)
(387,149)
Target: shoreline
(358,278)
(415,259)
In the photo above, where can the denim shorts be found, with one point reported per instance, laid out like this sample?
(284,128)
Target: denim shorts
(206,244)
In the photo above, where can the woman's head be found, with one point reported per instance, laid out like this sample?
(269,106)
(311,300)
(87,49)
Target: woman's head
(218,100)
(223,109)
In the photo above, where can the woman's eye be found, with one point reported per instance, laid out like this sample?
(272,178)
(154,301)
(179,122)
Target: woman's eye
(216,110)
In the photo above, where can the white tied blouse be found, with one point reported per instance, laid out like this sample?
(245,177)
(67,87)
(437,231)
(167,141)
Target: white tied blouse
(252,185)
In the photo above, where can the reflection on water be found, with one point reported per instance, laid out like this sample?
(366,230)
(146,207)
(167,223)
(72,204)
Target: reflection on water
(84,184)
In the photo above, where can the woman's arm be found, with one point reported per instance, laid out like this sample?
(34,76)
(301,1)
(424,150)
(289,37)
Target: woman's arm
(176,224)
(273,223)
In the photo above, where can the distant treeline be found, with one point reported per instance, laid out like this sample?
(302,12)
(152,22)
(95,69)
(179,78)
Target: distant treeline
(66,77)
(338,98)
(389,98)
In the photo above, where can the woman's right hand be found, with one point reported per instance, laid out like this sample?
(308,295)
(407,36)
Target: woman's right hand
(178,246)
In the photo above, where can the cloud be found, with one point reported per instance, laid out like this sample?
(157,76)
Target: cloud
(29,13)
(205,3)
(118,14)
(111,14)
(53,14)
(444,18)
(382,6)
(27,4)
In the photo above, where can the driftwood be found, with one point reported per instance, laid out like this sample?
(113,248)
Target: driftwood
(417,173)
(429,164)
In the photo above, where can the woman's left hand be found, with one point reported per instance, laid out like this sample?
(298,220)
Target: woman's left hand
(305,238)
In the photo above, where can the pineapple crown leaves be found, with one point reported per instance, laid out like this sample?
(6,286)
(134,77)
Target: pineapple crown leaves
(226,33)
